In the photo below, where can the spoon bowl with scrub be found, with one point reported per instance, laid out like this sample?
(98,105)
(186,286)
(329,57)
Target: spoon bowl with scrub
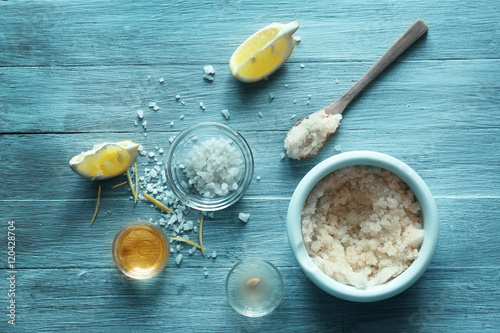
(307,137)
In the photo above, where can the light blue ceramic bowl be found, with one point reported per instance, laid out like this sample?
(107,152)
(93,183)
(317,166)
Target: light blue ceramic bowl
(430,222)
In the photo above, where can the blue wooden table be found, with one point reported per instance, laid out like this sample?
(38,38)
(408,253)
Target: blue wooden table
(74,73)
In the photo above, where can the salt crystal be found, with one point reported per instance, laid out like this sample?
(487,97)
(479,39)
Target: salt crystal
(260,114)
(205,271)
(294,101)
(309,96)
(149,77)
(135,123)
(145,134)
(286,85)
(258,178)
(225,113)
(192,250)
(145,125)
(244,217)
(161,80)
(307,103)
(152,104)
(302,65)
(156,108)
(153,173)
(181,117)
(293,116)
(337,81)
(140,113)
(149,188)
(208,73)
(171,139)
(297,39)
(171,123)
(177,97)
(178,259)
(182,103)
(161,151)
(151,154)
(282,156)
(271,96)
(214,254)
(337,147)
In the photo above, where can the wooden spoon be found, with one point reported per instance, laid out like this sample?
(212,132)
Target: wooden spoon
(411,35)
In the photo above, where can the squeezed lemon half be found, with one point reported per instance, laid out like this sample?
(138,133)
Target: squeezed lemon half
(105,160)
(264,52)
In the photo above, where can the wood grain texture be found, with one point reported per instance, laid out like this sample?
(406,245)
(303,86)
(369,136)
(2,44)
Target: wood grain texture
(74,73)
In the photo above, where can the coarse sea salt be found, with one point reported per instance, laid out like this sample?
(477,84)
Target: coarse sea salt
(244,217)
(309,136)
(214,167)
(225,113)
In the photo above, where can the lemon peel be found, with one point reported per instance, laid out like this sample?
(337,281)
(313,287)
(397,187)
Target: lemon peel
(118,185)
(157,203)
(97,205)
(134,193)
(186,241)
(200,235)
(263,52)
(105,160)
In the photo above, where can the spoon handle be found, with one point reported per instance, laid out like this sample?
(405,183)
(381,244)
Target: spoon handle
(404,42)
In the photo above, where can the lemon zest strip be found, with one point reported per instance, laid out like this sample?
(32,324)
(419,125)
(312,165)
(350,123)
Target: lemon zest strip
(157,203)
(136,183)
(118,185)
(131,187)
(97,206)
(186,241)
(200,235)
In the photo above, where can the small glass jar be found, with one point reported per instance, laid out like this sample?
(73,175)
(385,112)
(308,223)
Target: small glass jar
(177,156)
(254,287)
(141,250)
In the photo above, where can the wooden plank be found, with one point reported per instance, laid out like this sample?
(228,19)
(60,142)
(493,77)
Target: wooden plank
(106,99)
(178,299)
(35,167)
(57,234)
(94,33)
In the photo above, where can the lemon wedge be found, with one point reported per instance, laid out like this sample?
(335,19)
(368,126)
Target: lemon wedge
(105,160)
(264,52)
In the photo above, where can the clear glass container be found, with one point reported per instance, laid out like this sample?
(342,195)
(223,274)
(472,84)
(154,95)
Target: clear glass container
(176,162)
(254,287)
(141,250)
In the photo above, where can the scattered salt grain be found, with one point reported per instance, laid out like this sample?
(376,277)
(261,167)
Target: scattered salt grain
(156,108)
(309,96)
(152,104)
(140,113)
(225,113)
(178,259)
(208,73)
(282,156)
(205,271)
(338,147)
(135,123)
(261,115)
(145,125)
(181,117)
(161,80)
(336,81)
(244,217)
(214,254)
(271,96)
(302,65)
(161,151)
(172,123)
(293,116)
(214,167)
(151,154)
(297,39)
(307,103)
(145,134)
(182,102)
(258,178)
(171,139)
(286,85)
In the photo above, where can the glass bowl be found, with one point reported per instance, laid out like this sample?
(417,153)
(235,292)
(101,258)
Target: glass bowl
(176,165)
(429,216)
(254,287)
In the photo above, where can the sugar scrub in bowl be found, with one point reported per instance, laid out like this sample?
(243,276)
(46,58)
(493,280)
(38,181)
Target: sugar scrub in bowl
(363,226)
(209,166)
